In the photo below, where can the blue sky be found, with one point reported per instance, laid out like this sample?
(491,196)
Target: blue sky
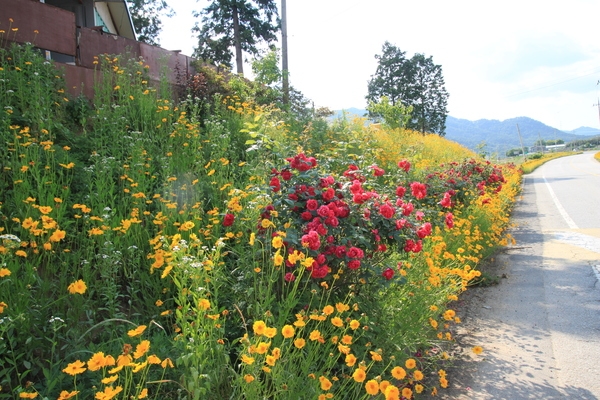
(539,59)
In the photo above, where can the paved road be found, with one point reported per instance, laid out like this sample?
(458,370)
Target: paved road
(540,327)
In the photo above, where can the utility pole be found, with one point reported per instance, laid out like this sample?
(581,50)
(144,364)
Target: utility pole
(284,54)
(598,105)
(521,140)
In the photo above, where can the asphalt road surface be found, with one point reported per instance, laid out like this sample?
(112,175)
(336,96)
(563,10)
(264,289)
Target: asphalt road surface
(540,327)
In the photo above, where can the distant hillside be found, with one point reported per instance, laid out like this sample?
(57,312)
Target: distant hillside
(350,113)
(499,136)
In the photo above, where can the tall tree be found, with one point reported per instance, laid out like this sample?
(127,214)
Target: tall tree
(416,83)
(235,24)
(146,17)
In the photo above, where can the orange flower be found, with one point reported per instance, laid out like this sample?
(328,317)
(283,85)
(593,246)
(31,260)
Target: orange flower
(287,331)
(141,349)
(359,375)
(64,395)
(137,331)
(96,362)
(75,368)
(78,287)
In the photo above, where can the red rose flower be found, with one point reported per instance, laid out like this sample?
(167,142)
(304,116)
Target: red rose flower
(286,174)
(275,184)
(419,190)
(388,273)
(328,194)
(312,205)
(404,164)
(449,220)
(228,220)
(354,264)
(386,211)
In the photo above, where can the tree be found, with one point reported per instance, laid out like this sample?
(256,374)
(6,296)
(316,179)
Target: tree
(393,116)
(237,24)
(416,83)
(146,17)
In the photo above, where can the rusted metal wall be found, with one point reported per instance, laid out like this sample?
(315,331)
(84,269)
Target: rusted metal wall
(58,33)
(55,27)
(93,43)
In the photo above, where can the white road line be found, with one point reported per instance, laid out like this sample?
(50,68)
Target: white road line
(596,269)
(559,206)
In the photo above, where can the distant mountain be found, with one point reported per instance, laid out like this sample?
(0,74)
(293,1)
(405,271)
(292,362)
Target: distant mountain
(350,113)
(499,136)
(586,131)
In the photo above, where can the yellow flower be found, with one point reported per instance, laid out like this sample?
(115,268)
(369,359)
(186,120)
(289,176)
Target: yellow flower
(419,388)
(95,232)
(108,393)
(259,327)
(325,383)
(341,307)
(270,360)
(398,373)
(299,343)
(141,349)
(477,350)
(96,362)
(372,387)
(337,321)
(110,379)
(359,375)
(287,331)
(278,259)
(277,242)
(315,335)
(263,347)
(375,356)
(443,383)
(328,310)
(270,332)
(75,368)
(392,393)
(143,393)
(252,239)
(138,367)
(137,331)
(354,324)
(247,359)
(20,253)
(343,349)
(410,363)
(350,360)
(167,362)
(204,304)
(407,393)
(248,378)
(77,287)
(4,272)
(153,359)
(25,395)
(64,395)
(124,360)
(347,339)
(417,375)
(45,209)
(57,236)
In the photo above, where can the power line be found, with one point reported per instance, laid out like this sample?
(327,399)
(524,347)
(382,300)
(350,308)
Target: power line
(597,70)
